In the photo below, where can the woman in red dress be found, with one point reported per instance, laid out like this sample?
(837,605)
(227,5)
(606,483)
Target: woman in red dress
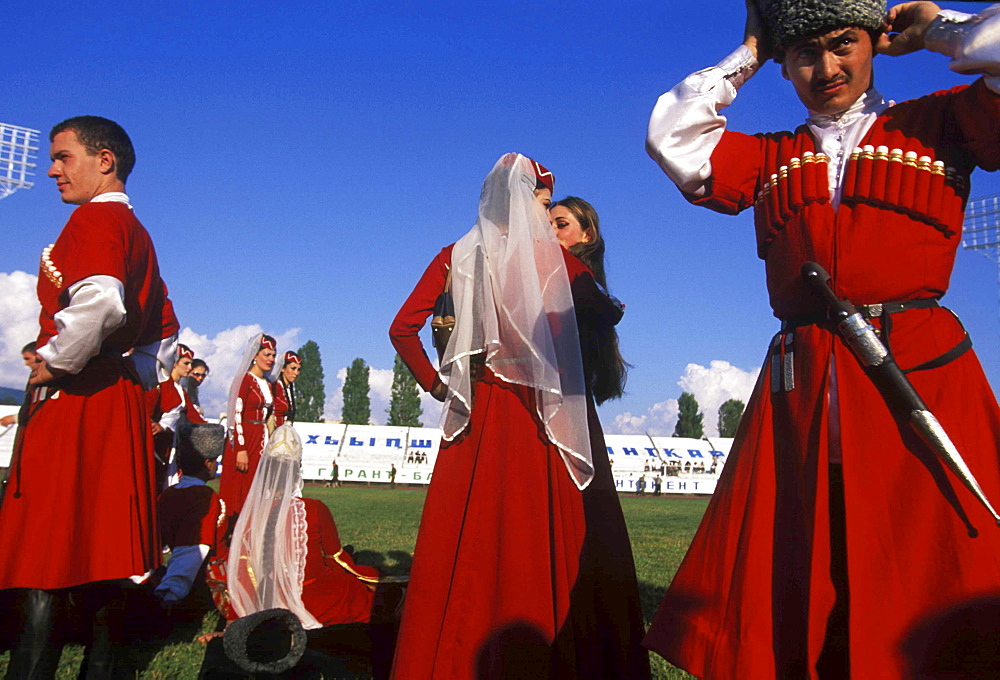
(286,550)
(523,564)
(170,405)
(284,387)
(251,401)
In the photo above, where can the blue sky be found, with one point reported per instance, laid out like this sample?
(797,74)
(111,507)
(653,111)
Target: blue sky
(300,164)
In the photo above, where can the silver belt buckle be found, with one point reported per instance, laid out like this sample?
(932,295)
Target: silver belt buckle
(874,310)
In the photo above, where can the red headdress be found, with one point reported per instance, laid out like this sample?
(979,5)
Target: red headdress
(544,175)
(267,342)
(292,358)
(183,351)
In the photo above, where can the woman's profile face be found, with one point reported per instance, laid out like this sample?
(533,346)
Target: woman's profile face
(544,196)
(264,359)
(291,371)
(567,227)
(182,367)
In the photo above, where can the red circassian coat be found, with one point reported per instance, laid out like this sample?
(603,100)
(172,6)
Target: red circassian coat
(515,569)
(249,433)
(80,503)
(754,593)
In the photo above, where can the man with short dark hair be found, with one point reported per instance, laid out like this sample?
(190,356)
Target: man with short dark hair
(837,542)
(78,514)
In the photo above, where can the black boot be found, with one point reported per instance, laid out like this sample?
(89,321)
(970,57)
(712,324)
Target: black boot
(35,653)
(99,658)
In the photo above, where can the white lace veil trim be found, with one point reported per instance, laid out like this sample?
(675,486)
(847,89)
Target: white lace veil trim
(513,304)
(267,560)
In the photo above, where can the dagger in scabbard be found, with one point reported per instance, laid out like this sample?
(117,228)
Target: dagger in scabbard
(893,384)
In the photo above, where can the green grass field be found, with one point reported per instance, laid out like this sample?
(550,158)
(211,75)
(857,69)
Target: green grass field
(382,525)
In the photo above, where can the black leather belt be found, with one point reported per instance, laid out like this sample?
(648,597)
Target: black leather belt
(872,311)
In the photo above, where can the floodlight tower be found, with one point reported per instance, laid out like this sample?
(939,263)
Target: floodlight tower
(981,230)
(17,153)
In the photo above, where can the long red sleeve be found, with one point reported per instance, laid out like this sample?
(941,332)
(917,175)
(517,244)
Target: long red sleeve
(405,329)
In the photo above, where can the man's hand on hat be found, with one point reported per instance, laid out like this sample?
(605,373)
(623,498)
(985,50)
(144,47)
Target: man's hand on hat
(754,36)
(905,27)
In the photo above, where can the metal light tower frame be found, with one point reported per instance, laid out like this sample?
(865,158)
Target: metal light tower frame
(18,147)
(981,231)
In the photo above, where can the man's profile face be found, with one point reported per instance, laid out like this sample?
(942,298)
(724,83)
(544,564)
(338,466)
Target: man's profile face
(77,173)
(830,71)
(30,359)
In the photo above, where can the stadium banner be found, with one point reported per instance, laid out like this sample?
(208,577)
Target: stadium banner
(365,454)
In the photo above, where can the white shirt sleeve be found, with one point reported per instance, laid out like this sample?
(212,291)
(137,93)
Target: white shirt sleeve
(686,124)
(96,309)
(153,362)
(971,40)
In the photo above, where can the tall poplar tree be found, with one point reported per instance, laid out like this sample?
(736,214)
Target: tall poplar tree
(730,414)
(357,404)
(309,391)
(689,420)
(404,403)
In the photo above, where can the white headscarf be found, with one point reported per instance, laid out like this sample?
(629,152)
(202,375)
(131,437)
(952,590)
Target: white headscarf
(513,304)
(267,560)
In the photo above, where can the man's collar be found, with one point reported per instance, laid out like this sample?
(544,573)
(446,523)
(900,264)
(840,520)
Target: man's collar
(112,197)
(870,102)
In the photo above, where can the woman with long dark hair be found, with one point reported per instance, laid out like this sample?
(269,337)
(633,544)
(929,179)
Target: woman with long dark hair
(284,387)
(522,564)
(578,230)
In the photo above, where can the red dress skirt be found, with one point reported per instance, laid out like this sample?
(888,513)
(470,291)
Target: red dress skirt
(516,571)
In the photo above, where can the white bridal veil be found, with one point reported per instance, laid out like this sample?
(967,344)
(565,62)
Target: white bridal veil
(513,306)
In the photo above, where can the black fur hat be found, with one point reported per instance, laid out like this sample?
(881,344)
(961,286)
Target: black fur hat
(271,641)
(789,20)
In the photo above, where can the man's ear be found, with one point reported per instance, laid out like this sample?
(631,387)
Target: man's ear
(107,161)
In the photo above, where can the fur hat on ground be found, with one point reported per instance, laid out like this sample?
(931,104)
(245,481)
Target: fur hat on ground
(789,20)
(269,641)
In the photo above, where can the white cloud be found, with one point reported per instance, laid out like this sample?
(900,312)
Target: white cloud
(19,311)
(711,386)
(222,353)
(380,392)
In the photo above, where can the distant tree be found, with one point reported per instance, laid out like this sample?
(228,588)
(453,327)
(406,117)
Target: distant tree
(9,401)
(310,393)
(730,414)
(689,420)
(357,405)
(404,403)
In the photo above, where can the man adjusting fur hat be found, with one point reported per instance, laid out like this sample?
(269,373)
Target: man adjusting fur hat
(789,20)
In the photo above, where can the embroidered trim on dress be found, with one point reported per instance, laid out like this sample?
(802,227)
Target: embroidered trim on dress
(49,268)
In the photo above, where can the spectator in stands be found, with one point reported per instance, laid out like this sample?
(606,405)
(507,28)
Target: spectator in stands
(192,517)
(30,358)
(193,380)
(501,472)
